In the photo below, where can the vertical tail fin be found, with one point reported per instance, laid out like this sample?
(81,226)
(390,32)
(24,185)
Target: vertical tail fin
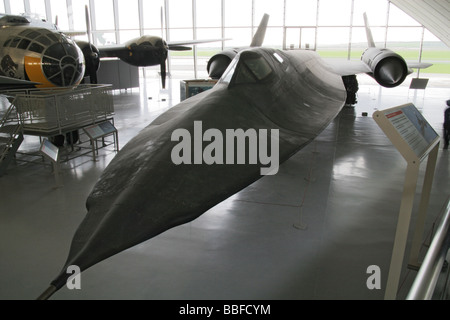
(258,38)
(368,32)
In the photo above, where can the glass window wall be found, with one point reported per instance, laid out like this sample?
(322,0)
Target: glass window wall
(17,7)
(332,27)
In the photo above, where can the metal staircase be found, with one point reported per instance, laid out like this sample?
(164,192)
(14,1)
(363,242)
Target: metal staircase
(11,137)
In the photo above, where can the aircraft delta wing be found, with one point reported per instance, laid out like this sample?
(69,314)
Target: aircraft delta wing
(388,68)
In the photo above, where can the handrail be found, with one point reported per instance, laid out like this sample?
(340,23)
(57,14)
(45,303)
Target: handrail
(425,281)
(6,115)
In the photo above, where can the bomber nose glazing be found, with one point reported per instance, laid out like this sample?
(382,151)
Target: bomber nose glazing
(63,63)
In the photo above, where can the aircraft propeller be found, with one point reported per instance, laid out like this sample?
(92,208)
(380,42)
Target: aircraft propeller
(141,52)
(90,52)
(165,51)
(163,71)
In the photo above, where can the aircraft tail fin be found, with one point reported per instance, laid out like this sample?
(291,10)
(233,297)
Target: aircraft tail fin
(258,38)
(368,32)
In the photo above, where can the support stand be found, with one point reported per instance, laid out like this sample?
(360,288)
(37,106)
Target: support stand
(420,224)
(416,140)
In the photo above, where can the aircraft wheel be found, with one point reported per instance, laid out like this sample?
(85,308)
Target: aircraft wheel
(72,137)
(351,86)
(57,140)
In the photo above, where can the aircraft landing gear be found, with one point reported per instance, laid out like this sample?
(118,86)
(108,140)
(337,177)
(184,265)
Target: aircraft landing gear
(71,138)
(351,85)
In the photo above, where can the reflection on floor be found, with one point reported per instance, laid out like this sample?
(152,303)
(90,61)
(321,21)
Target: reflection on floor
(309,232)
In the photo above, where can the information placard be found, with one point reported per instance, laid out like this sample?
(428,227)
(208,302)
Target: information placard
(415,139)
(99,130)
(94,132)
(408,130)
(49,150)
(417,83)
(107,127)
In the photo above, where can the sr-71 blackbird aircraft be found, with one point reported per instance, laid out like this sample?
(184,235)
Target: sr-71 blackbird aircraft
(179,166)
(34,53)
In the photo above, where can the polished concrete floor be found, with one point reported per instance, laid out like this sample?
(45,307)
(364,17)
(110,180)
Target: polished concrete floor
(309,232)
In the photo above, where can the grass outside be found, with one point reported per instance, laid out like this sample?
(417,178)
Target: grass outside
(439,58)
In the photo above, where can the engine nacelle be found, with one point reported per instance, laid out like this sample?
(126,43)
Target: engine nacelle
(219,63)
(91,57)
(388,68)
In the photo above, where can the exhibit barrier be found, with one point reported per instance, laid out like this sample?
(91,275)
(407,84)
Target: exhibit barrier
(425,282)
(52,113)
(58,110)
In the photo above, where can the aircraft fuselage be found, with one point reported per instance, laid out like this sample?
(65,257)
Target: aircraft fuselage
(143,192)
(144,51)
(40,55)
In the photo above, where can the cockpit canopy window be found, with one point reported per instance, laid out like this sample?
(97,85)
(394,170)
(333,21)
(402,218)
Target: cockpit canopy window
(44,40)
(14,42)
(24,43)
(10,19)
(248,67)
(31,34)
(258,67)
(36,47)
(36,40)
(62,64)
(228,74)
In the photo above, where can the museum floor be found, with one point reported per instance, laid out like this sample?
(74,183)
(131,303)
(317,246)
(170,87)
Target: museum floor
(309,232)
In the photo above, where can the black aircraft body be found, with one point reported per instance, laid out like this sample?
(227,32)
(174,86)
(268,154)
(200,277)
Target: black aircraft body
(144,191)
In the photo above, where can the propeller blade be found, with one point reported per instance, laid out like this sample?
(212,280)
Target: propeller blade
(162,23)
(93,75)
(88,24)
(92,58)
(163,73)
(179,48)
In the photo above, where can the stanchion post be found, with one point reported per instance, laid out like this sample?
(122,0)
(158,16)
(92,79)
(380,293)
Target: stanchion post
(401,234)
(426,191)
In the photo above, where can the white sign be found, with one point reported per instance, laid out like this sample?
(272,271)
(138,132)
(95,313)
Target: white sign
(49,150)
(413,128)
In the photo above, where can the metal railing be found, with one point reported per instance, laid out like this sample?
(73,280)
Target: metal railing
(428,275)
(57,110)
(10,128)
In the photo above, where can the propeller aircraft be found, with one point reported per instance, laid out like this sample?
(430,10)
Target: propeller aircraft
(34,53)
